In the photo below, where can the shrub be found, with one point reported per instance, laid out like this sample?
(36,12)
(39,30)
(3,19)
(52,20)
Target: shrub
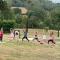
(7,24)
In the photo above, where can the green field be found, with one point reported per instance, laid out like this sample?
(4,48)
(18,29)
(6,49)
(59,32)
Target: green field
(16,50)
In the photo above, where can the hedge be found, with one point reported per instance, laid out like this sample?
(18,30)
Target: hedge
(7,24)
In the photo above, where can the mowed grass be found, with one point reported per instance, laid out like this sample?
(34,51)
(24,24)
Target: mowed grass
(16,50)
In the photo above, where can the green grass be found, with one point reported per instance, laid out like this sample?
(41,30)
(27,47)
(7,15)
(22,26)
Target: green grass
(16,50)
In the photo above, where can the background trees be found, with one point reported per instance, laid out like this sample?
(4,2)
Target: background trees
(6,16)
(41,13)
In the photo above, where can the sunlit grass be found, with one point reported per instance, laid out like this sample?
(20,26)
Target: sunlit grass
(16,50)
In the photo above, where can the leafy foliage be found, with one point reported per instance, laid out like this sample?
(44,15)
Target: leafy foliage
(41,13)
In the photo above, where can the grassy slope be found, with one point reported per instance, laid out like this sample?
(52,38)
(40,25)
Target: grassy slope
(14,50)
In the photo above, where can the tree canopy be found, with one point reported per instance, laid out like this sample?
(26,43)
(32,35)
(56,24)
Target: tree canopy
(41,13)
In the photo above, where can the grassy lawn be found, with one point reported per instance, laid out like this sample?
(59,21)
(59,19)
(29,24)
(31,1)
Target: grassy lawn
(16,50)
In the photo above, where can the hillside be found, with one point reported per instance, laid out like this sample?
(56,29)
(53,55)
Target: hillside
(37,4)
(25,2)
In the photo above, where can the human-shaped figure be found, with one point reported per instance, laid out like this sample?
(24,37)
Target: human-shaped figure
(51,38)
(11,36)
(44,38)
(25,36)
(1,35)
(36,37)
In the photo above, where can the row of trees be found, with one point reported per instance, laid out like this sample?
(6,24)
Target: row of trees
(41,14)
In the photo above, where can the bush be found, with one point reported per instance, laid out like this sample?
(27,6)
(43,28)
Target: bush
(7,24)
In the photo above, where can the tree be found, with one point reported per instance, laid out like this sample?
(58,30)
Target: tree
(56,19)
(6,13)
(3,5)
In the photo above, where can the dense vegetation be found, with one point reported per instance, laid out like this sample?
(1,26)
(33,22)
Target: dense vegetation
(41,13)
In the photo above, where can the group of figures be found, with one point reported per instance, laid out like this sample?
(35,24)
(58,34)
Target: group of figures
(46,39)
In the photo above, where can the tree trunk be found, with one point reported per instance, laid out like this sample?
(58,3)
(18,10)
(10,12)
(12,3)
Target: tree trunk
(27,25)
